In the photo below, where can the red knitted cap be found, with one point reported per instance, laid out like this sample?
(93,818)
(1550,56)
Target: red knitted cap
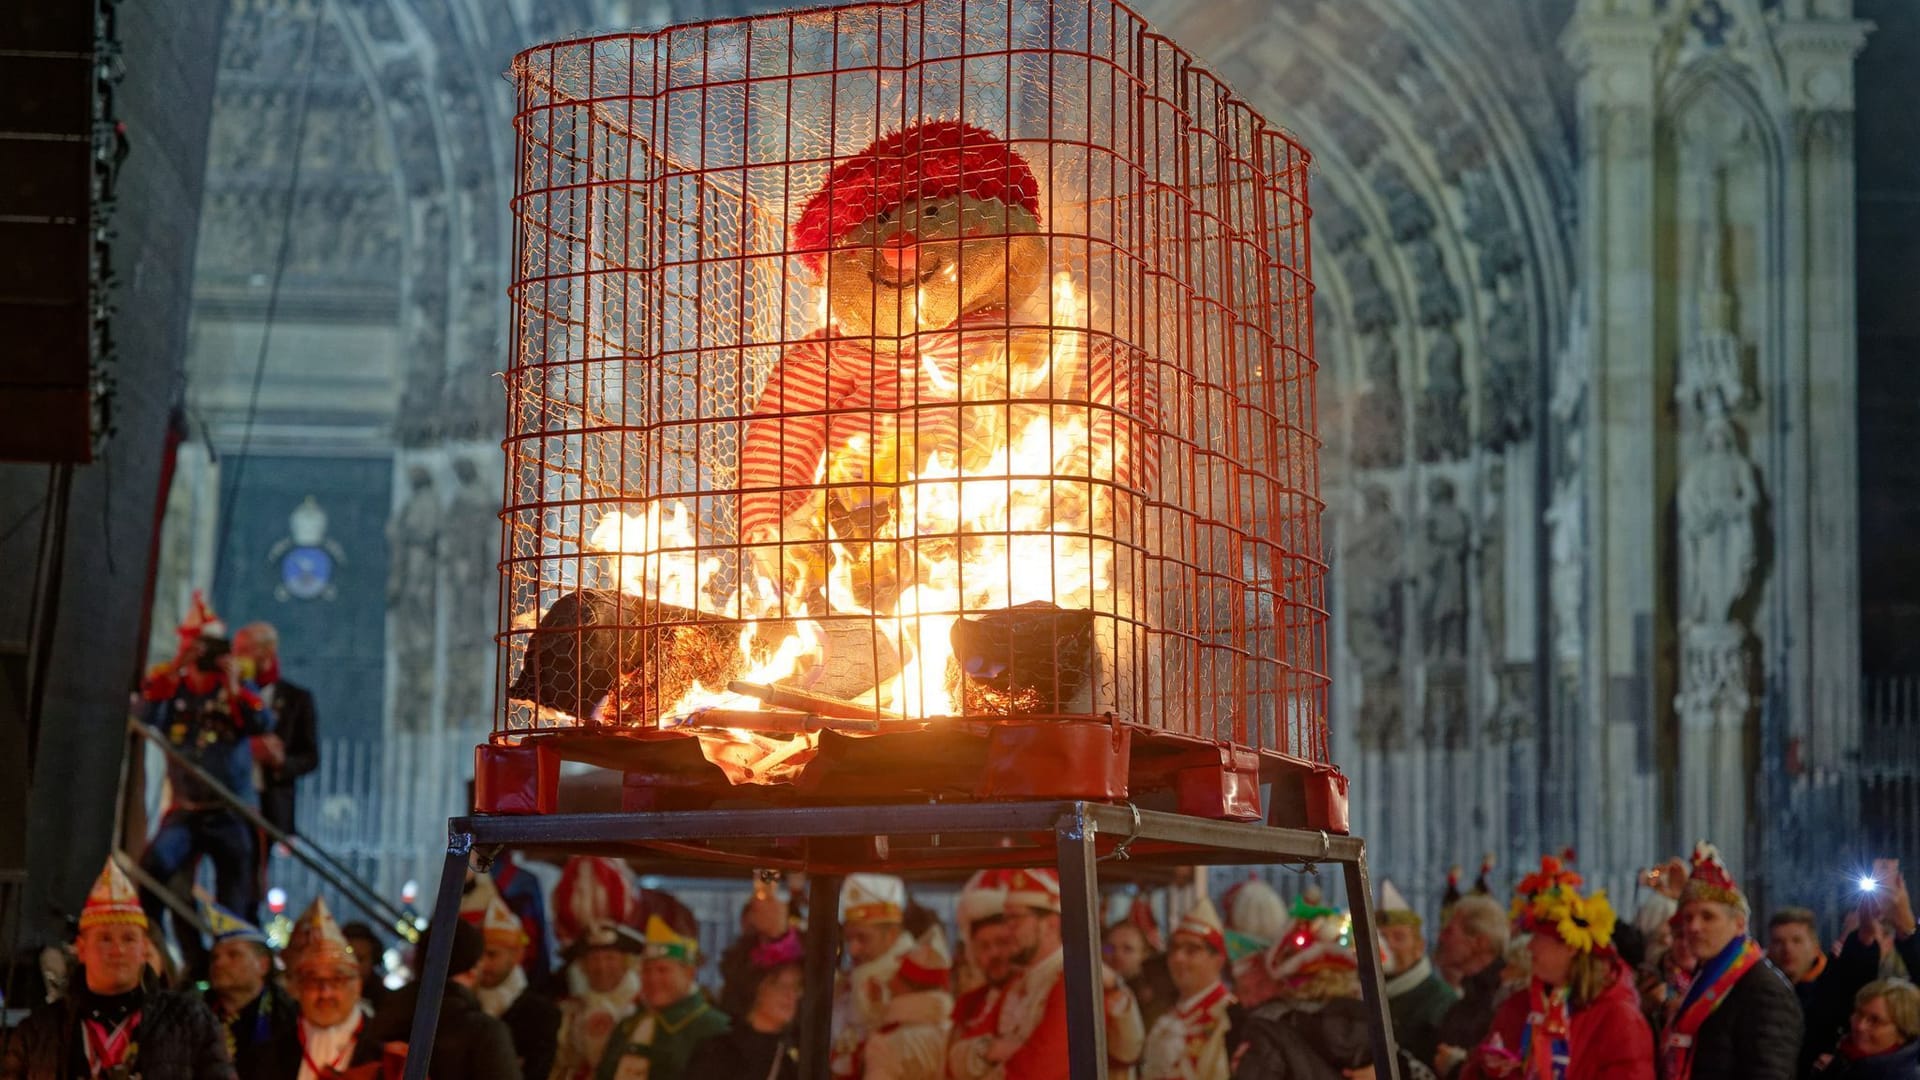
(935,160)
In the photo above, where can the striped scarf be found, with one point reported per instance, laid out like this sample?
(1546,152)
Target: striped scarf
(1711,984)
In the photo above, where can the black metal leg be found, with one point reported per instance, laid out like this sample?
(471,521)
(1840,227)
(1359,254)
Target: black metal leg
(433,971)
(1080,938)
(1373,986)
(823,961)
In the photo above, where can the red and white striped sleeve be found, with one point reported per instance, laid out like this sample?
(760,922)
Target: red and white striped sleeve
(786,437)
(1119,378)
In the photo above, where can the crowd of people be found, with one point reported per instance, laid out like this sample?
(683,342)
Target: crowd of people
(1553,985)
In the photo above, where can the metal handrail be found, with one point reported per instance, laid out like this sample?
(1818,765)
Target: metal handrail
(315,858)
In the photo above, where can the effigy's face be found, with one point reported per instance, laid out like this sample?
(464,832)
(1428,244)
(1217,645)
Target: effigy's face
(924,264)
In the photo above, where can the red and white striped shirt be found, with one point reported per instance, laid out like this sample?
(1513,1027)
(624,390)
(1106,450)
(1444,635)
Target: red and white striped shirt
(831,400)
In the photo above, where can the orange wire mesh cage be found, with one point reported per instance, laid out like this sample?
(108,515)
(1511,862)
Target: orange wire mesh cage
(907,365)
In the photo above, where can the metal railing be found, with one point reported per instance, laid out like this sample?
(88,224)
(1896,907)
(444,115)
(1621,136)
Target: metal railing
(345,883)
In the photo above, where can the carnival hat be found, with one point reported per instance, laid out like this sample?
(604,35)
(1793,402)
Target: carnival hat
(663,942)
(1202,922)
(112,900)
(1394,909)
(592,890)
(224,925)
(1035,889)
(1710,880)
(927,965)
(867,899)
(1252,907)
(1549,901)
(1313,944)
(317,945)
(935,160)
(982,899)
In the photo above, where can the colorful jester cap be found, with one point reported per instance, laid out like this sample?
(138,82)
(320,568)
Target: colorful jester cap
(1710,879)
(1202,923)
(316,946)
(1550,902)
(868,899)
(224,925)
(1394,909)
(927,965)
(936,160)
(1312,944)
(666,943)
(112,900)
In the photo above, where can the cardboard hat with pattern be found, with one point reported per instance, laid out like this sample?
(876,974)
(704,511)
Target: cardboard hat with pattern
(869,899)
(317,946)
(112,900)
(1710,879)
(224,925)
(484,907)
(663,942)
(1035,889)
(936,160)
(1202,921)
(1394,909)
(1315,943)
(605,935)
(1252,907)
(984,897)
(927,965)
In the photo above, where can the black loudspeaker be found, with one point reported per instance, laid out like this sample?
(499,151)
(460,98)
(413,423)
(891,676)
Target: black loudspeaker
(49,112)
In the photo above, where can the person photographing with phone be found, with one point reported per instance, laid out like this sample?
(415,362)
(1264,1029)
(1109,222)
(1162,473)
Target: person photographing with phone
(1881,927)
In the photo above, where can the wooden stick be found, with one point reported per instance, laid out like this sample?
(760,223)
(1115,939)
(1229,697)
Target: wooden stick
(819,704)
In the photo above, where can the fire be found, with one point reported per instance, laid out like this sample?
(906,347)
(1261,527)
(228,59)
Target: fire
(1022,524)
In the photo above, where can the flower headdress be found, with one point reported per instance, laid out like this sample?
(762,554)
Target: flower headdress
(1549,902)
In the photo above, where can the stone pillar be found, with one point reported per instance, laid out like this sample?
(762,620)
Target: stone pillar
(1606,470)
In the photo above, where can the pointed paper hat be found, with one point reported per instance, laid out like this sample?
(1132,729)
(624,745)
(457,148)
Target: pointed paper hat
(1202,921)
(112,900)
(666,943)
(1480,886)
(1036,889)
(1710,879)
(200,621)
(872,898)
(484,907)
(317,944)
(927,965)
(1394,909)
(224,925)
(984,897)
(1451,895)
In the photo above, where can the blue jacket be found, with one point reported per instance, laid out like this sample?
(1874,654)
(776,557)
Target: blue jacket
(213,731)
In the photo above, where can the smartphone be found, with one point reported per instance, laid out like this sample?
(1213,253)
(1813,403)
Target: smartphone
(1886,871)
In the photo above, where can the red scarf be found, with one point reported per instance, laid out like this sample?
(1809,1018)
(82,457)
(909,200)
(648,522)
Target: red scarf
(108,1051)
(1711,983)
(1543,1046)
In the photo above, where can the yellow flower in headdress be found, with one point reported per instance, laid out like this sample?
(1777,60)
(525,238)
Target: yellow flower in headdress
(1585,923)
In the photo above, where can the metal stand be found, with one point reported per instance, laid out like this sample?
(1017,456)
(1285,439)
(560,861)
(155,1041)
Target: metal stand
(829,842)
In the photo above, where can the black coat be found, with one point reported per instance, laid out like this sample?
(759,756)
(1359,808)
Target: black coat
(534,1022)
(260,1033)
(1901,1064)
(179,1039)
(1828,1000)
(1289,1041)
(295,724)
(1467,1021)
(467,1043)
(741,1053)
(1755,1033)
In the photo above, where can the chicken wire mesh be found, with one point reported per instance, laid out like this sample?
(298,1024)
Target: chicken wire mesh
(909,361)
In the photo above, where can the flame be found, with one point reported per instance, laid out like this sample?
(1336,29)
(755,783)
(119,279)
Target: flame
(1020,526)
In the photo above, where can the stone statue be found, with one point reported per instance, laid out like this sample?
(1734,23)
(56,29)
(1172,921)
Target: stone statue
(1374,579)
(1716,687)
(1443,420)
(413,542)
(472,558)
(1566,518)
(1711,380)
(1443,601)
(1491,553)
(1719,496)
(1377,410)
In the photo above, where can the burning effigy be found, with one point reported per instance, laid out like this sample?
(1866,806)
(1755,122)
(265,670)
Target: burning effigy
(907,368)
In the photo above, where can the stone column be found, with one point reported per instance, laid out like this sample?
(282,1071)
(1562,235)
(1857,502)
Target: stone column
(1606,471)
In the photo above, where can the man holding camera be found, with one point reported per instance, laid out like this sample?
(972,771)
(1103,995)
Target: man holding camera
(214,720)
